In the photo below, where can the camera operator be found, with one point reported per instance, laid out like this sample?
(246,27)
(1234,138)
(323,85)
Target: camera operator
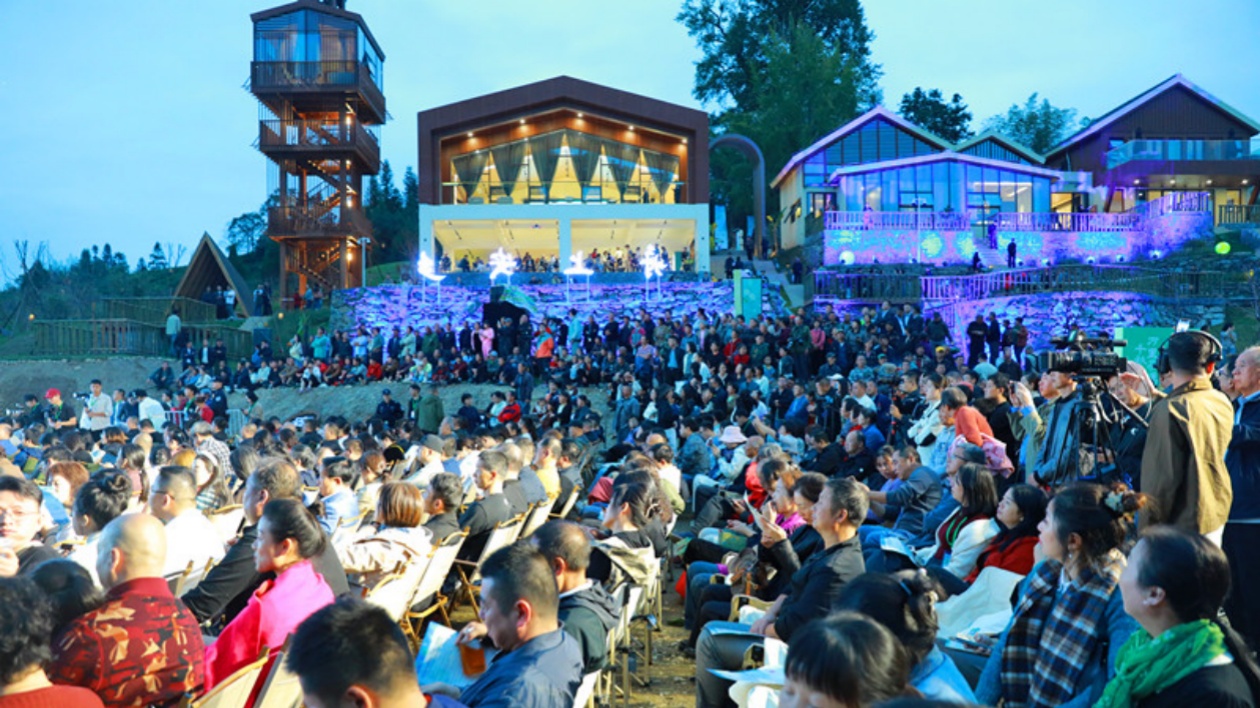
(1183,461)
(1128,436)
(1058,462)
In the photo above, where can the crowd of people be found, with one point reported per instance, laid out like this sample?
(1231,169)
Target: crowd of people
(863,481)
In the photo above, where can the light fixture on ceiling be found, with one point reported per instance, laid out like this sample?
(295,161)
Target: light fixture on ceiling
(470,133)
(1171,182)
(522,121)
(1137,181)
(1209,181)
(631,127)
(579,114)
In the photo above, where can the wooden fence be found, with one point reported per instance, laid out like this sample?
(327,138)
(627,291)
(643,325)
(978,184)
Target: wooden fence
(127,336)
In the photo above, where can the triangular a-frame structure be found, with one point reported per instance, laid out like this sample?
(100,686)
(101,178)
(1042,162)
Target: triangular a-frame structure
(210,268)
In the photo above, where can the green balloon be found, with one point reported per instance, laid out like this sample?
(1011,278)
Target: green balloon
(1223,247)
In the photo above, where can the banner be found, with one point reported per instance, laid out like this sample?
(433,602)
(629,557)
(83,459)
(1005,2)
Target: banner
(1143,346)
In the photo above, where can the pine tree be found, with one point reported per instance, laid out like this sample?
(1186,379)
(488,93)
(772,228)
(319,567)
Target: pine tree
(157,259)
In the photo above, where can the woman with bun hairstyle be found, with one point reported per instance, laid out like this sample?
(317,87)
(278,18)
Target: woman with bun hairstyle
(289,536)
(1069,622)
(905,603)
(845,660)
(1174,586)
(101,499)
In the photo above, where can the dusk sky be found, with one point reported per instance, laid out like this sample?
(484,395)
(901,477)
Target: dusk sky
(126,122)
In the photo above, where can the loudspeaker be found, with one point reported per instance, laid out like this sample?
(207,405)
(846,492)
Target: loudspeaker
(496,293)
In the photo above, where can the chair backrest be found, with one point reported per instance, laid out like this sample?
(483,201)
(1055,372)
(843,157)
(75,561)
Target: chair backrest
(585,690)
(505,534)
(234,691)
(439,565)
(280,688)
(537,517)
(569,503)
(176,580)
(194,577)
(346,526)
(227,521)
(393,593)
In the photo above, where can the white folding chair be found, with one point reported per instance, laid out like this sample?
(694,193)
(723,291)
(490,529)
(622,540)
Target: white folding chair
(429,592)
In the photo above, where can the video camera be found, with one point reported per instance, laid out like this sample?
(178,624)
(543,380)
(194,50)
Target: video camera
(1084,356)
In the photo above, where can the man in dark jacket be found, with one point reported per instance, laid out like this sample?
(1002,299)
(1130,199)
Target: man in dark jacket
(226,589)
(977,332)
(587,611)
(539,665)
(388,409)
(1242,531)
(441,504)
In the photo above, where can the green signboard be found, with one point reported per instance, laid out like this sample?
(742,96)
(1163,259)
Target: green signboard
(1143,345)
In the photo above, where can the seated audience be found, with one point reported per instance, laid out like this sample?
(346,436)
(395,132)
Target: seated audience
(539,665)
(71,590)
(1174,586)
(228,587)
(586,611)
(20,501)
(441,505)
(840,510)
(845,659)
(190,537)
(398,538)
(905,603)
(1069,623)
(289,536)
(350,653)
(103,498)
(28,621)
(141,647)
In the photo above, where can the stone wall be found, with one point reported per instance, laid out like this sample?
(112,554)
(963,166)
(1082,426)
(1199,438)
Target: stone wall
(403,305)
(1049,316)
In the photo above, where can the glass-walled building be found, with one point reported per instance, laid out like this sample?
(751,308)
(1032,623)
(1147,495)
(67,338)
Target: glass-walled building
(562,167)
(883,164)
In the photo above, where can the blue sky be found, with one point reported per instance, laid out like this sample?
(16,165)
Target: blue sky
(126,122)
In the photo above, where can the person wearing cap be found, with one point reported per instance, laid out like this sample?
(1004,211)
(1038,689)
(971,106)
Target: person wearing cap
(388,409)
(831,368)
(59,415)
(430,457)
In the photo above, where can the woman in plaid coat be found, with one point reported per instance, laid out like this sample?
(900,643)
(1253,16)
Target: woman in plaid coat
(1069,620)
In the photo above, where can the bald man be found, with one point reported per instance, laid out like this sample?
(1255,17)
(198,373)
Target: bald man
(142,646)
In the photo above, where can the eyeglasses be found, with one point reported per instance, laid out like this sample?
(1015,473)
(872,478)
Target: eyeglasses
(18,514)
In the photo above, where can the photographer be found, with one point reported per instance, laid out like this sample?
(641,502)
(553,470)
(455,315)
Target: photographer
(1059,460)
(1128,436)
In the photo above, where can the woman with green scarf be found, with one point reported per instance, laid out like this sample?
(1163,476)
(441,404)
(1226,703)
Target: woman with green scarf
(1173,587)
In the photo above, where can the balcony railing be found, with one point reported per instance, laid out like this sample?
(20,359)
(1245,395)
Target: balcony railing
(1055,221)
(1238,214)
(1182,150)
(1175,202)
(867,287)
(1006,221)
(319,134)
(1087,278)
(642,191)
(316,221)
(268,76)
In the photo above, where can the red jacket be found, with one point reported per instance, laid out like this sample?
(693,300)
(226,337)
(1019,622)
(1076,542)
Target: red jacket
(969,423)
(1017,557)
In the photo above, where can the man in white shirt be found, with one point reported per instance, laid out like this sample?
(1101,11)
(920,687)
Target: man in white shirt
(97,411)
(150,409)
(189,535)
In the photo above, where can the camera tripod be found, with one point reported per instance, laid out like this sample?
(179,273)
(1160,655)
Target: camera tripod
(1094,416)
